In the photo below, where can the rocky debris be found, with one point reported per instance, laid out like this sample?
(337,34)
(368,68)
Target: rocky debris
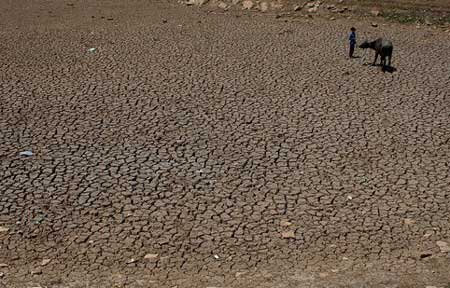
(288,234)
(443,246)
(247,4)
(45,262)
(374,24)
(131,261)
(3,229)
(375,13)
(331,7)
(151,256)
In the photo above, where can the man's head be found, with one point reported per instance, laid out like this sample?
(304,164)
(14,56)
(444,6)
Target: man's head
(353,29)
(365,45)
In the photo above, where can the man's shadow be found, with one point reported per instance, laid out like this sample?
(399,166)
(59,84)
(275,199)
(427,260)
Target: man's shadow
(386,68)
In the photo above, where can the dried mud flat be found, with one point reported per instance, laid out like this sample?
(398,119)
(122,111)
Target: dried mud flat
(193,149)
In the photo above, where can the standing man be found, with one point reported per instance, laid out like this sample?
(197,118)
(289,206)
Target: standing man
(352,39)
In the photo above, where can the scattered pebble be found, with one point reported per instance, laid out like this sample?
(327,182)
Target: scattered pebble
(45,262)
(241,273)
(3,265)
(3,229)
(445,248)
(409,221)
(375,13)
(27,153)
(2,274)
(92,50)
(247,4)
(151,256)
(216,256)
(36,272)
(285,223)
(288,234)
(349,197)
(131,261)
(374,25)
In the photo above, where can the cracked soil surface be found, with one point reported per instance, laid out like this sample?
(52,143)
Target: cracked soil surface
(196,149)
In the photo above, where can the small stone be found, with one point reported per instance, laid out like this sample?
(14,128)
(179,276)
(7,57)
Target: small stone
(349,197)
(222,5)
(241,273)
(131,261)
(445,248)
(288,234)
(331,7)
(216,257)
(3,265)
(2,274)
(332,18)
(36,272)
(45,262)
(298,7)
(247,4)
(426,254)
(313,10)
(3,229)
(344,258)
(335,270)
(408,221)
(375,13)
(374,24)
(285,223)
(263,6)
(323,274)
(310,5)
(340,1)
(164,21)
(27,153)
(151,256)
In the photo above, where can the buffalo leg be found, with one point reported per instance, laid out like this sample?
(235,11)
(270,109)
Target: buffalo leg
(376,57)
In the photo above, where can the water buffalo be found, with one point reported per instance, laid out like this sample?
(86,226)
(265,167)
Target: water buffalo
(382,47)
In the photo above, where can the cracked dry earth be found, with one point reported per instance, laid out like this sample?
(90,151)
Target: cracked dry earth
(194,149)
